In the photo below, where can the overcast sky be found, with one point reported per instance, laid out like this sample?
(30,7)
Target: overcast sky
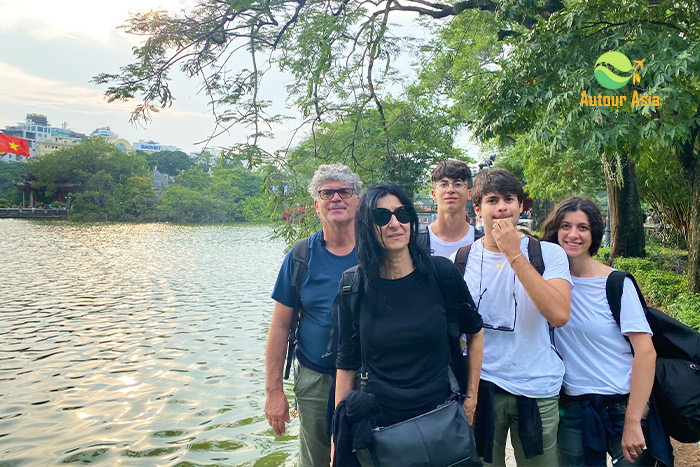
(51,50)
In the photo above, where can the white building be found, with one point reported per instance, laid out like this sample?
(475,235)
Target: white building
(34,129)
(152,146)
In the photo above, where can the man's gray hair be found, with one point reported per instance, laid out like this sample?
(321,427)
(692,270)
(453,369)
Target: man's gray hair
(334,173)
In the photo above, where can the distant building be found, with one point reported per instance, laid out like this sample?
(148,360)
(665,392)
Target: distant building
(56,143)
(123,145)
(34,129)
(152,146)
(105,132)
(37,131)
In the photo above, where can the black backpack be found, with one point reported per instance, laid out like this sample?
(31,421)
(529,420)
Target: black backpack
(300,258)
(423,238)
(351,286)
(677,380)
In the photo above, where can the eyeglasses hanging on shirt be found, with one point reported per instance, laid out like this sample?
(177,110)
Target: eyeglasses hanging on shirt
(481,295)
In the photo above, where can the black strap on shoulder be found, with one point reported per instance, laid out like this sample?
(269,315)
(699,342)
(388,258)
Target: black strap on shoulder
(300,263)
(461,258)
(614,285)
(534,251)
(454,301)
(613,292)
(423,239)
(347,293)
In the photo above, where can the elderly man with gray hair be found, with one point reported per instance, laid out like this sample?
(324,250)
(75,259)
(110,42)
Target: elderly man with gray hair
(331,250)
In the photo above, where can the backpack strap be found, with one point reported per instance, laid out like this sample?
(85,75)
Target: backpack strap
(300,264)
(423,239)
(614,285)
(534,251)
(461,258)
(453,299)
(348,292)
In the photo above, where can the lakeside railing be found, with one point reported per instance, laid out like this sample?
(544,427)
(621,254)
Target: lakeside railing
(33,213)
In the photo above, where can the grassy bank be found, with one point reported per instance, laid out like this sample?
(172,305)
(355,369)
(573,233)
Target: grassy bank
(663,280)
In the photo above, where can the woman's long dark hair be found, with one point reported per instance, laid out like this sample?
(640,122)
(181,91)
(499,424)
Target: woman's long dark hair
(550,227)
(369,251)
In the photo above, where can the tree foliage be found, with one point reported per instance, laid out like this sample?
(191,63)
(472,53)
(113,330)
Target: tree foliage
(169,162)
(536,84)
(340,54)
(10,174)
(108,184)
(225,195)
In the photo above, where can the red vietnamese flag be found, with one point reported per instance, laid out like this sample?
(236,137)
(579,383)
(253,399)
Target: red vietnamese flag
(14,145)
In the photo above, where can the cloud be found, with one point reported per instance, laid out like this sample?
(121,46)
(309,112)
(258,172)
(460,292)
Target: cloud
(18,87)
(82,20)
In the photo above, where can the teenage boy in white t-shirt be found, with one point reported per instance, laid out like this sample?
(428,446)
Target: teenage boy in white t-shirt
(451,191)
(522,374)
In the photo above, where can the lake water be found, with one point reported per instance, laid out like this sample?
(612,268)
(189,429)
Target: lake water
(136,345)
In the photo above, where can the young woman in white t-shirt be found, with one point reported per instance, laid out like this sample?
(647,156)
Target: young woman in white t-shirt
(606,386)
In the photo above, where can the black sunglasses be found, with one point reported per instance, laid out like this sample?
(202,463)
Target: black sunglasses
(382,216)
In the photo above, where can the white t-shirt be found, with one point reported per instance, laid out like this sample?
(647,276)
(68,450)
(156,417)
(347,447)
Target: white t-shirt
(597,357)
(523,361)
(446,249)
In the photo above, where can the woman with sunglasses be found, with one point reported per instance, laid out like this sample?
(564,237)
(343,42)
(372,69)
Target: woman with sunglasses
(406,341)
(606,384)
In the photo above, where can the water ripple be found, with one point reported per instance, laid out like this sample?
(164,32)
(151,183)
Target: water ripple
(136,344)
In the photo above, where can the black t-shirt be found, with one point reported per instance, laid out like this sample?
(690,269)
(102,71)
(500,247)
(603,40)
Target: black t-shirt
(407,346)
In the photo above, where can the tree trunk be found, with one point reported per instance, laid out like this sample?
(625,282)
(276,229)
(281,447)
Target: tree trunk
(694,236)
(626,217)
(690,169)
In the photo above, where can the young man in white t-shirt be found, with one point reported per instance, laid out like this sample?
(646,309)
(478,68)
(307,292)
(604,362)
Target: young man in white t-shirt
(451,191)
(522,374)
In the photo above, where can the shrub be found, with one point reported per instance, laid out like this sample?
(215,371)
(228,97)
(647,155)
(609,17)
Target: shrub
(660,287)
(686,308)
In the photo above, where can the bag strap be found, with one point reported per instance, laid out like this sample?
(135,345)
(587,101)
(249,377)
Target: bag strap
(461,258)
(614,286)
(454,301)
(423,239)
(300,263)
(534,251)
(348,290)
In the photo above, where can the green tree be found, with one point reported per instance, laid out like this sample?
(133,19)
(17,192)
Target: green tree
(195,179)
(182,204)
(11,173)
(110,184)
(340,55)
(535,91)
(169,162)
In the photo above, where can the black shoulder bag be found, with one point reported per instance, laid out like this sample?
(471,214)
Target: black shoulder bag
(438,438)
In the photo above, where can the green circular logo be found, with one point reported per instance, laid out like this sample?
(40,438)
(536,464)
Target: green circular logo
(607,78)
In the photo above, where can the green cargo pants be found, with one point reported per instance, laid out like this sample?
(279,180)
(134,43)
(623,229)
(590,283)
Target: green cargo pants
(311,390)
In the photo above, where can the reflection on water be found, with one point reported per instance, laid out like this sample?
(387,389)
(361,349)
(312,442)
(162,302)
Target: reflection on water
(136,345)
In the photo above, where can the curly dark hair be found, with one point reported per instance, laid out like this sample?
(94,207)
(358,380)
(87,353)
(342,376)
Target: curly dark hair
(550,227)
(369,251)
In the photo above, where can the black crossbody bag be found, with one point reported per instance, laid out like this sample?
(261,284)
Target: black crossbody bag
(439,438)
